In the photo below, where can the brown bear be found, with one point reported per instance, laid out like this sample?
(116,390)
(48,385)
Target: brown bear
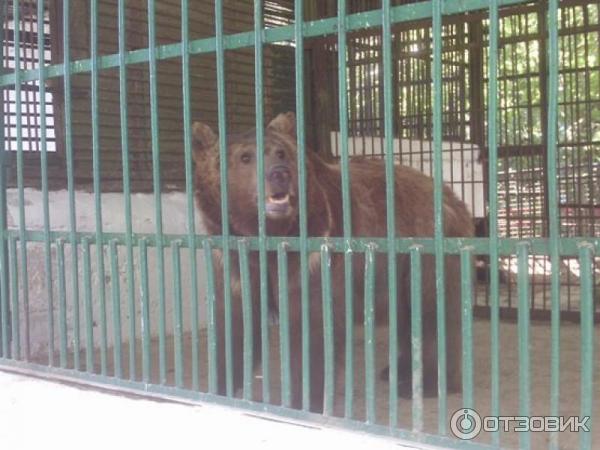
(414,218)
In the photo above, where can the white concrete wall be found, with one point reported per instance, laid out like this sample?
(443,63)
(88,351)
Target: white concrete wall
(113,220)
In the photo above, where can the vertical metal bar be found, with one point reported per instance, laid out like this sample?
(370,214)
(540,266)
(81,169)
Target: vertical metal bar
(301,138)
(4,335)
(553,211)
(116,308)
(247,319)
(20,180)
(328,335)
(370,341)
(388,94)
(87,305)
(260,172)
(466,260)
(145,307)
(523,325)
(177,314)
(122,19)
(222,113)
(189,188)
(96,142)
(416,337)
(160,256)
(284,325)
(4,300)
(14,294)
(44,177)
(587,342)
(438,212)
(4,306)
(346,199)
(70,174)
(211,319)
(29,62)
(493,213)
(4,310)
(62,304)
(103,320)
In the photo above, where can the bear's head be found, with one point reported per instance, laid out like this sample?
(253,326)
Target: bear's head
(280,178)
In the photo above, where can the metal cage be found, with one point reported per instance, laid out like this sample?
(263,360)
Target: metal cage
(498,99)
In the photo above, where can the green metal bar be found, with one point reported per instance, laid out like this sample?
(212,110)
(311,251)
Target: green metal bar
(370,341)
(247,319)
(328,335)
(284,325)
(62,304)
(4,299)
(211,325)
(116,309)
(177,314)
(466,260)
(553,212)
(346,200)
(4,334)
(189,189)
(122,19)
(145,319)
(493,213)
(323,27)
(438,212)
(87,305)
(388,98)
(44,179)
(14,294)
(452,246)
(96,162)
(416,337)
(301,138)
(20,180)
(523,325)
(160,263)
(72,233)
(587,342)
(103,325)
(260,174)
(222,113)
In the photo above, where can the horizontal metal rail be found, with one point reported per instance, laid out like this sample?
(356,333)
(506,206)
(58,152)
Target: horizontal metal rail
(370,19)
(506,246)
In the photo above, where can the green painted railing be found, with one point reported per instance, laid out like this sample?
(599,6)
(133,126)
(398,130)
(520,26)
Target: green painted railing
(72,344)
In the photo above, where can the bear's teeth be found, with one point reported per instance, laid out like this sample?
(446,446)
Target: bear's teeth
(279,200)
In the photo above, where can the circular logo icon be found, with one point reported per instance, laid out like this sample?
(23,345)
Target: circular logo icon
(465,424)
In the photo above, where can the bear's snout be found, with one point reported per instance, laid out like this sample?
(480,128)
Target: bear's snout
(278,178)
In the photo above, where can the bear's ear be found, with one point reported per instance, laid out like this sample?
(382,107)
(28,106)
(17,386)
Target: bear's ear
(284,123)
(203,136)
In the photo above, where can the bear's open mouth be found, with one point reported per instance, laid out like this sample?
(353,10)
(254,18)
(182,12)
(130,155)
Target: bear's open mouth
(279,198)
(278,205)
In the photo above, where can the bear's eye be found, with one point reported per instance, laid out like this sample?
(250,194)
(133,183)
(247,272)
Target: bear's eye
(246,158)
(280,154)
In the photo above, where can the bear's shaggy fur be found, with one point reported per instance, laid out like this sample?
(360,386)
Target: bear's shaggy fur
(414,218)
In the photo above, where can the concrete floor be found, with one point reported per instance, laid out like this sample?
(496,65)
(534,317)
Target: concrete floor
(36,413)
(540,349)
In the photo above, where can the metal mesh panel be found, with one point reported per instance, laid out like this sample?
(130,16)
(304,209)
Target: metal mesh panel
(30,56)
